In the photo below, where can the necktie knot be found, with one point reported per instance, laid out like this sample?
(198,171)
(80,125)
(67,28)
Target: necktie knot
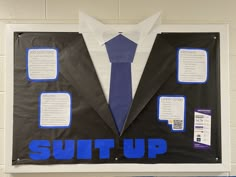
(121,49)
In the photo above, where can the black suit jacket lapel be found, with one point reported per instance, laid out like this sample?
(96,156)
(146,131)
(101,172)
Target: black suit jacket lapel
(159,67)
(78,69)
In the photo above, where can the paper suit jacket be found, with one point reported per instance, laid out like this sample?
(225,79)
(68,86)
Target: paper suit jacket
(91,117)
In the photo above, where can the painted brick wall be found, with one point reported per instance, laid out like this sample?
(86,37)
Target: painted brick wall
(118,11)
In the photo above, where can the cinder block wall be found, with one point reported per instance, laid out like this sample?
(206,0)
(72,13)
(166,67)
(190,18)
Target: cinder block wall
(118,11)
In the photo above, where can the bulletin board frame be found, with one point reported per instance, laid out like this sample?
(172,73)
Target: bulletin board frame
(223,167)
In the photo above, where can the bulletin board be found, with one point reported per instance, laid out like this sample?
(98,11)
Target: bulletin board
(81,140)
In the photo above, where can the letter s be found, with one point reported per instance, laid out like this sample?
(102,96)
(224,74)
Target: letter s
(39,149)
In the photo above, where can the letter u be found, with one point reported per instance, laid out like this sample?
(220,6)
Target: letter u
(63,150)
(134,149)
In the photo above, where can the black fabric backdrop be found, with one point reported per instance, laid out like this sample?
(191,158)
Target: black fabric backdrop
(91,117)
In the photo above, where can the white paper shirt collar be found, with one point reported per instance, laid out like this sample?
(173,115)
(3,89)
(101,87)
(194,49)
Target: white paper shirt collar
(103,33)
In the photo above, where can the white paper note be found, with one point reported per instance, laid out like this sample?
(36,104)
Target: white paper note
(192,66)
(55,109)
(172,110)
(42,64)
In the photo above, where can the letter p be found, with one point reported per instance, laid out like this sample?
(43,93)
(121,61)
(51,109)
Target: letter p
(155,147)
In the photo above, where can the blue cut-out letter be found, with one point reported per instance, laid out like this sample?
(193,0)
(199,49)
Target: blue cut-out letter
(134,148)
(156,146)
(104,146)
(84,149)
(39,149)
(63,151)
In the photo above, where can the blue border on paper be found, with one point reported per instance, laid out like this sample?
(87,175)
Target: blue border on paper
(27,69)
(177,65)
(158,108)
(39,109)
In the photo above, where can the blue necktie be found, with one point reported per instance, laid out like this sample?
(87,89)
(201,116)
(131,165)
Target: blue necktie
(121,52)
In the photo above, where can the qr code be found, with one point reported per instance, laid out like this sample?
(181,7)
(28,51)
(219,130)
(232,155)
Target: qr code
(178,125)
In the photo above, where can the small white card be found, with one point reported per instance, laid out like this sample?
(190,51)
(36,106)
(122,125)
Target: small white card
(192,66)
(42,64)
(55,110)
(172,110)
